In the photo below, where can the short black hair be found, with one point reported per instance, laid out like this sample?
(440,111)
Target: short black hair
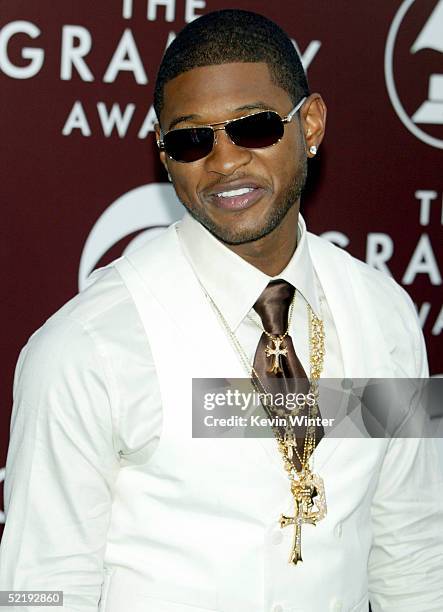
(233,35)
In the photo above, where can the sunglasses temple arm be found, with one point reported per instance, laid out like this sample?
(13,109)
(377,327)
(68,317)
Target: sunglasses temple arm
(294,110)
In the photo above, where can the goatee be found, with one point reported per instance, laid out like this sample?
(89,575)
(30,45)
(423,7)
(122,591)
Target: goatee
(272,220)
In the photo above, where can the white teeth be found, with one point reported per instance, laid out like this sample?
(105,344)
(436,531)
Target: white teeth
(234,192)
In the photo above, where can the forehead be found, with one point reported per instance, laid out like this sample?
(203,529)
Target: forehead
(213,92)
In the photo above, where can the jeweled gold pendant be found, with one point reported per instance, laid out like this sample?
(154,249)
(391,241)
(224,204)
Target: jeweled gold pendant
(310,507)
(278,350)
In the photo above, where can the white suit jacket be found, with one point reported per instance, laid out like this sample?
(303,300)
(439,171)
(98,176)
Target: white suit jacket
(195,529)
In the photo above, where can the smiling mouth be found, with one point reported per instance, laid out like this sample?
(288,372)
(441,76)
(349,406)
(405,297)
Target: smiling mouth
(237,199)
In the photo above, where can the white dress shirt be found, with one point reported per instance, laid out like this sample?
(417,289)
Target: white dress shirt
(87,402)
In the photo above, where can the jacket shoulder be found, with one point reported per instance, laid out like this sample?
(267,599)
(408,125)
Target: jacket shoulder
(382,287)
(389,302)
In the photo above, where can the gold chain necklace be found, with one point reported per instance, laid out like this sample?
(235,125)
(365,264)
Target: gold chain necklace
(307,488)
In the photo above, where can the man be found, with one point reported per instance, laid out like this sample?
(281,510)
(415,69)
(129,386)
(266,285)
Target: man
(108,496)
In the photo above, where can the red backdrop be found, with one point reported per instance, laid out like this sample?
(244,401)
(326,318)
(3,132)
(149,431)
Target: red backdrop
(76,85)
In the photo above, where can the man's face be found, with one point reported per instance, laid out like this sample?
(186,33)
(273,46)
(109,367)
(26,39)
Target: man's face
(273,176)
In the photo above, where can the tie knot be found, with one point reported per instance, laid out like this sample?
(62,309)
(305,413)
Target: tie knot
(273,306)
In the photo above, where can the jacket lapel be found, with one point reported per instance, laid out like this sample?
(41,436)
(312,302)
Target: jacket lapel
(363,348)
(167,275)
(362,344)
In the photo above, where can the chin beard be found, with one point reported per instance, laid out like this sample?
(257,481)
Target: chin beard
(242,236)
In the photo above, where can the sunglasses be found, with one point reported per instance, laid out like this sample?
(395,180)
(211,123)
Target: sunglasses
(256,131)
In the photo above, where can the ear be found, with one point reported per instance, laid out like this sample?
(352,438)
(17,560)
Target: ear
(313,121)
(161,153)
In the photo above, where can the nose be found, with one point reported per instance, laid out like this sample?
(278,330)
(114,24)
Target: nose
(226,157)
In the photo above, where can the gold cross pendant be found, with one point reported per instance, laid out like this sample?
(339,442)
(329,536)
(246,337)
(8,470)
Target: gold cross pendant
(310,507)
(296,520)
(278,350)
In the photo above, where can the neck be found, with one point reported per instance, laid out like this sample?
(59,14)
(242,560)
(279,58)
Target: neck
(272,253)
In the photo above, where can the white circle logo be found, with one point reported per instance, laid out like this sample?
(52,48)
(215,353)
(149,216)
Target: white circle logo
(150,207)
(414,71)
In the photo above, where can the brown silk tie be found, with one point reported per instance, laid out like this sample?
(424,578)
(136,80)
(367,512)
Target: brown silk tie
(273,308)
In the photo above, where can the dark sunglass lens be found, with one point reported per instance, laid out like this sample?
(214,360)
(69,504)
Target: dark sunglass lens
(189,144)
(256,131)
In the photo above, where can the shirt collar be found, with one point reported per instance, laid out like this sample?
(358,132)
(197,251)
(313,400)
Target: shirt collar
(232,282)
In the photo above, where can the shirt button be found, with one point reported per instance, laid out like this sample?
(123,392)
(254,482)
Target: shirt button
(277,608)
(336,605)
(338,530)
(277,537)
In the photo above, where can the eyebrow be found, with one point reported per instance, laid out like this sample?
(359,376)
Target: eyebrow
(252,106)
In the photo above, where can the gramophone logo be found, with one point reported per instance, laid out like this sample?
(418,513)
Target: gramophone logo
(414,68)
